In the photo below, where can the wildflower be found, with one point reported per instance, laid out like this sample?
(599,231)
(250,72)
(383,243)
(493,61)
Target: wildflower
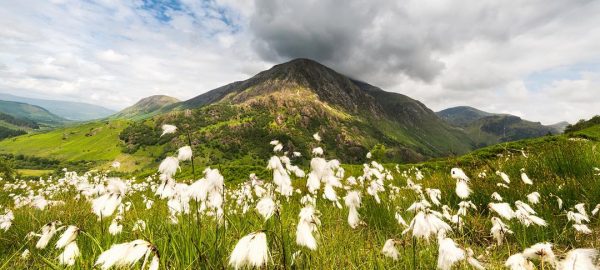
(580,207)
(499,230)
(251,250)
(168,129)
(6,220)
(462,189)
(458,173)
(518,262)
(139,225)
(400,220)
(25,255)
(582,228)
(318,151)
(127,254)
(48,232)
(503,176)
(353,201)
(496,196)
(596,209)
(449,254)
(502,209)
(306,226)
(116,165)
(184,153)
(390,250)
(266,207)
(115,226)
(169,166)
(278,148)
(434,195)
(525,178)
(427,223)
(540,251)
(317,137)
(534,197)
(67,237)
(579,259)
(69,254)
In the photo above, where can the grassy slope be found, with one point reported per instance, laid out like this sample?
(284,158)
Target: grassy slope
(95,141)
(35,113)
(192,245)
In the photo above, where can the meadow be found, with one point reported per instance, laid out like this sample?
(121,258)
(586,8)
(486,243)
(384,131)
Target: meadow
(514,206)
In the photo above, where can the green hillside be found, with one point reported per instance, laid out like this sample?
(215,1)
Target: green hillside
(31,112)
(485,128)
(75,111)
(97,142)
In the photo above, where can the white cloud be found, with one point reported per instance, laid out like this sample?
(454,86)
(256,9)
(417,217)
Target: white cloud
(481,53)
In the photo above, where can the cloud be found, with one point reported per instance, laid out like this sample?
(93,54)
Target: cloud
(536,58)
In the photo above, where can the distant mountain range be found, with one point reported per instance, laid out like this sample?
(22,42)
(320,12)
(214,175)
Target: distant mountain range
(75,111)
(486,128)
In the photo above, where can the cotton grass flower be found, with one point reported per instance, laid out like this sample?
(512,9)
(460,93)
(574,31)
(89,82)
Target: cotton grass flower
(250,251)
(353,201)
(125,255)
(449,254)
(6,220)
(499,230)
(533,197)
(184,153)
(115,226)
(48,232)
(169,166)
(68,236)
(518,262)
(525,178)
(266,207)
(579,259)
(317,137)
(540,251)
(307,225)
(502,209)
(389,249)
(503,176)
(168,129)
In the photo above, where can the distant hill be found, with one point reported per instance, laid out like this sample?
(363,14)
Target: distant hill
(583,124)
(75,111)
(34,113)
(486,128)
(146,107)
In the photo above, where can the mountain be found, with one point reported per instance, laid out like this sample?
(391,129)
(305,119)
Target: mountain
(486,128)
(234,124)
(75,111)
(146,107)
(31,112)
(301,97)
(462,115)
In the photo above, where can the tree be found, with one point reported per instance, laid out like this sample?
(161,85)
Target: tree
(378,152)
(6,169)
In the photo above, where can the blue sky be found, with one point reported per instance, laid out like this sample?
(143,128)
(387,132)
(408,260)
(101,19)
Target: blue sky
(533,58)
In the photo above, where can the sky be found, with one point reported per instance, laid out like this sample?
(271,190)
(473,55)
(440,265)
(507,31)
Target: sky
(537,59)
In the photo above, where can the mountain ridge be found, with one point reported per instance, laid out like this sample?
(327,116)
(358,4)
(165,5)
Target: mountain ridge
(70,110)
(146,107)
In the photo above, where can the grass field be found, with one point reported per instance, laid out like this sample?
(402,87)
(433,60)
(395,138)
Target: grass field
(188,238)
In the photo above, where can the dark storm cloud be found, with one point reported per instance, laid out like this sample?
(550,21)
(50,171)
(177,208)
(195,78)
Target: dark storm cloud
(382,39)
